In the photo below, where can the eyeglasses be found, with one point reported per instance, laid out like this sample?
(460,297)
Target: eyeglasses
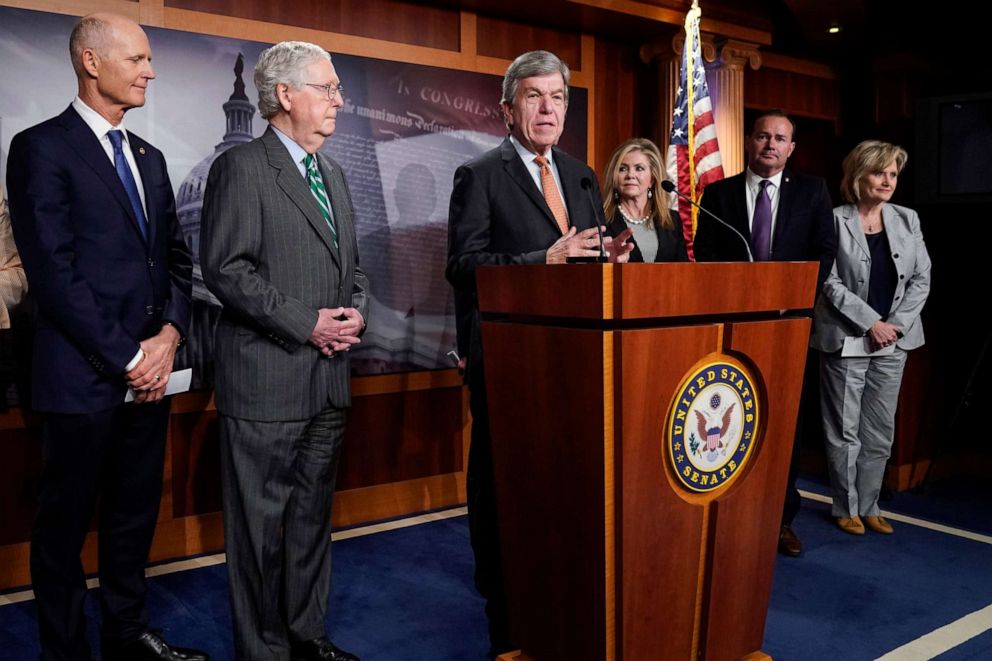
(329,90)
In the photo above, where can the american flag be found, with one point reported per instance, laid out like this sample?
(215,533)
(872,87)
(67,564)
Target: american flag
(693,132)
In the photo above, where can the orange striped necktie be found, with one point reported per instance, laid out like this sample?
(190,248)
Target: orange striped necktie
(551,194)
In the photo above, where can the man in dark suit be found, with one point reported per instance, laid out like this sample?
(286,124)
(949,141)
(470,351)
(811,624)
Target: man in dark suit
(521,203)
(278,249)
(95,222)
(784,216)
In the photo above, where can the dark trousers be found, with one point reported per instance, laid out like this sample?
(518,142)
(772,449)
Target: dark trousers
(114,458)
(482,520)
(278,483)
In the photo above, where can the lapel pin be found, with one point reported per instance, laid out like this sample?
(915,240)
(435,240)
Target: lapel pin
(141,150)
(786,179)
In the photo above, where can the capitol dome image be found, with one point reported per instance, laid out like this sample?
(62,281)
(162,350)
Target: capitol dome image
(196,352)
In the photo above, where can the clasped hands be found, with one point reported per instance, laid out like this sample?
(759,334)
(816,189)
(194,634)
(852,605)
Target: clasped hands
(337,330)
(586,244)
(882,334)
(149,377)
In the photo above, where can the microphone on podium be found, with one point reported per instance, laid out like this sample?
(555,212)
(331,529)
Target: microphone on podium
(670,187)
(586,184)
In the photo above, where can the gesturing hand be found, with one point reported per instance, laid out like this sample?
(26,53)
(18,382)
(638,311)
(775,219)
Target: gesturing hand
(574,244)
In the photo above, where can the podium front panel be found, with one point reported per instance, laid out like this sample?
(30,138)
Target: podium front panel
(554,494)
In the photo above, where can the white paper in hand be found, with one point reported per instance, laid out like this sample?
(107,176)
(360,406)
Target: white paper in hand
(178,382)
(860,347)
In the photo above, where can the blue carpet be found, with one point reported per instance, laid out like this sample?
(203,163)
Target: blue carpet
(978,648)
(964,503)
(407,594)
(861,597)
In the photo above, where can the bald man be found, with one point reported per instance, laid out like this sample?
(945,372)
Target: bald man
(94,218)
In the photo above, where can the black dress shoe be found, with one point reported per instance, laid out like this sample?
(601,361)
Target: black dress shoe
(150,647)
(788,543)
(319,649)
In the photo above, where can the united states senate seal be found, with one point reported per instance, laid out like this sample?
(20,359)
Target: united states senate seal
(710,432)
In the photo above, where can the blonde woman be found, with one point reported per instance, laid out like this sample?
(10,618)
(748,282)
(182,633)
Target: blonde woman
(865,322)
(632,198)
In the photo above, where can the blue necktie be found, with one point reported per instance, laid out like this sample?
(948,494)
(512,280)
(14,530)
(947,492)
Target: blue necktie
(127,178)
(761,224)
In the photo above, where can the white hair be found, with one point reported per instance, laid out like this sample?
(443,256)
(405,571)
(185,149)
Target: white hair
(285,64)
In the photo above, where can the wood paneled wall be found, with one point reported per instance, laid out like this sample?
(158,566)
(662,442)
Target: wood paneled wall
(407,439)
(802,88)
(386,20)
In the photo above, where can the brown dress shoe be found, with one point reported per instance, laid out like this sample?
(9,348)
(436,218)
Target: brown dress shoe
(788,543)
(851,524)
(878,524)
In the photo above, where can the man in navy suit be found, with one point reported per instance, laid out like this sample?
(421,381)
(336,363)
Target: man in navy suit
(520,203)
(94,219)
(784,216)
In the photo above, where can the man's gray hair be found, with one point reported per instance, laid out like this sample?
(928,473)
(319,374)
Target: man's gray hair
(284,63)
(534,63)
(91,32)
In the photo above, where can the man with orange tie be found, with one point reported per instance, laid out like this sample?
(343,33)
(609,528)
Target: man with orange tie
(521,203)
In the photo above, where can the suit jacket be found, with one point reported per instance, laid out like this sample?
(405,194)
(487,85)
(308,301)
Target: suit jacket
(843,310)
(804,228)
(269,257)
(671,245)
(100,287)
(498,216)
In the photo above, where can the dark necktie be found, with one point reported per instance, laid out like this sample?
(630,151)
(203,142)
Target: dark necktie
(761,224)
(127,178)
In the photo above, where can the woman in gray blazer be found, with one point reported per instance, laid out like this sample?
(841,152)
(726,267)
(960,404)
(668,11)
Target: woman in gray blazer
(864,323)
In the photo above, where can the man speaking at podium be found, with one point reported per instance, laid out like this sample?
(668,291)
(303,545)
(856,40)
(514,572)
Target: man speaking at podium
(524,202)
(786,217)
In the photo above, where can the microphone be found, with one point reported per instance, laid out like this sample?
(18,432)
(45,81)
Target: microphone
(586,184)
(670,187)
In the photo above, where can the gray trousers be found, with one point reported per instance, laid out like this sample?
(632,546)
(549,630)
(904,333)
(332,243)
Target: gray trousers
(858,397)
(278,482)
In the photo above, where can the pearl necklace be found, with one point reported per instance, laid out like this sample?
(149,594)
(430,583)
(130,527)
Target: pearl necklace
(633,221)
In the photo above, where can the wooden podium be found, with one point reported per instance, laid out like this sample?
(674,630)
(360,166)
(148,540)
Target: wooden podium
(642,418)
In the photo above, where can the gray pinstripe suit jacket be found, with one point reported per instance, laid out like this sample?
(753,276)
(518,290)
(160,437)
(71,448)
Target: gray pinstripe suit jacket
(268,256)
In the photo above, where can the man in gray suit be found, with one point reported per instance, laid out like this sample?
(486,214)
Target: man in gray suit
(278,249)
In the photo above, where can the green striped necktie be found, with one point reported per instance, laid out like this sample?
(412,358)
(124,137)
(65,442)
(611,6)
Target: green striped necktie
(320,193)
